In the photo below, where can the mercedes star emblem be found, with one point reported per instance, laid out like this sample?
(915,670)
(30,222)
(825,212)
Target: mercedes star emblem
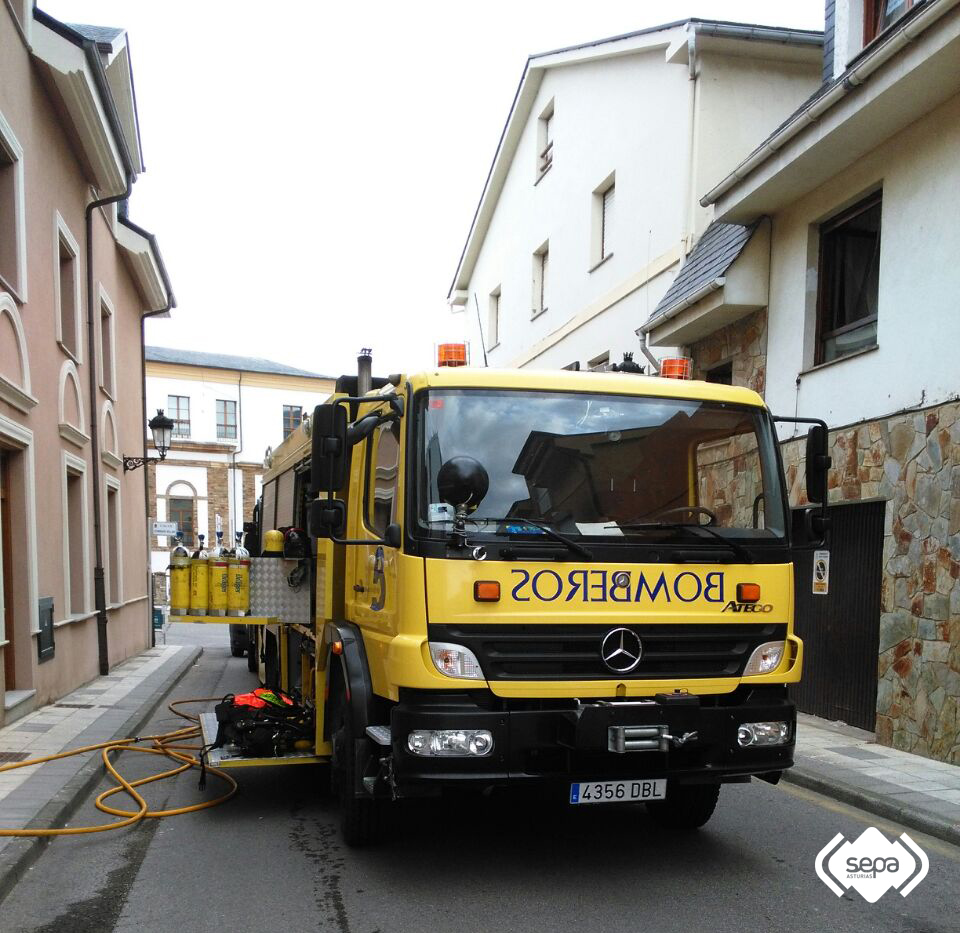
(621,650)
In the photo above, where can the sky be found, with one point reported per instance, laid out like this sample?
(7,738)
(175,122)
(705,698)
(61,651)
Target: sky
(312,168)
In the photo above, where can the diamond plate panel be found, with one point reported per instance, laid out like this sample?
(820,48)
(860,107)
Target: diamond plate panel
(271,593)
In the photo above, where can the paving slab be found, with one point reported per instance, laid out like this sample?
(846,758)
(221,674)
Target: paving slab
(847,764)
(45,796)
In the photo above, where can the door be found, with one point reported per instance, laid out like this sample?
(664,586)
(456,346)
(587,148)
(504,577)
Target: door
(841,630)
(373,597)
(6,575)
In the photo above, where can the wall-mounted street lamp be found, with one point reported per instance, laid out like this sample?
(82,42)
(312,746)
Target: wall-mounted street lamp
(162,429)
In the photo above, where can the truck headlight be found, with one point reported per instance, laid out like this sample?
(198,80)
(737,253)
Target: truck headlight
(765,658)
(450,743)
(763,733)
(455,661)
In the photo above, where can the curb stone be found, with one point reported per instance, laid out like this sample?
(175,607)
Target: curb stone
(878,804)
(16,859)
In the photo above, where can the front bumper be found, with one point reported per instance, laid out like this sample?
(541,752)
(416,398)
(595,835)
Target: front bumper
(571,742)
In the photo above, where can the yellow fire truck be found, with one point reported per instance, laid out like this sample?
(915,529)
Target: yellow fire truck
(581,582)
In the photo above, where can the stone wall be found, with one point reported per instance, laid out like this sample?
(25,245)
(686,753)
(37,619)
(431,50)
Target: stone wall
(912,460)
(743,344)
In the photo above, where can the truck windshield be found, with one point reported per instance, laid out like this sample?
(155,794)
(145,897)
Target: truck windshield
(601,466)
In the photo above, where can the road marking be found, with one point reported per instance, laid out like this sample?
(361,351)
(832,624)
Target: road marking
(870,819)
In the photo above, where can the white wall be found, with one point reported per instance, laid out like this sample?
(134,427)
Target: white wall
(630,115)
(915,362)
(260,416)
(626,115)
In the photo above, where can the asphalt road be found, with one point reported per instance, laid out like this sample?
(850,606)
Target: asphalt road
(272,860)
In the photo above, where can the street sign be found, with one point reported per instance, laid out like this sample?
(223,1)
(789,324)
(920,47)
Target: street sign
(165,528)
(821,573)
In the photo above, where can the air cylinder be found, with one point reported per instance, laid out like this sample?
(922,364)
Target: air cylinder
(179,578)
(199,581)
(238,580)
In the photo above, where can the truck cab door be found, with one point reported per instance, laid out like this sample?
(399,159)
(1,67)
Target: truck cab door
(373,596)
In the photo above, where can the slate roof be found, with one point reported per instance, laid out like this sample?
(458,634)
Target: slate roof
(98,34)
(714,253)
(248,364)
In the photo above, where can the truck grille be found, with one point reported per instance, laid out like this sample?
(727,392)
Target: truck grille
(572,652)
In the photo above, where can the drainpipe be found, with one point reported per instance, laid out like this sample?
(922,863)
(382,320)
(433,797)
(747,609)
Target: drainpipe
(233,456)
(99,591)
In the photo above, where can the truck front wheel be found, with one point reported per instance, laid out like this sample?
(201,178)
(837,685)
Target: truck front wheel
(361,818)
(687,806)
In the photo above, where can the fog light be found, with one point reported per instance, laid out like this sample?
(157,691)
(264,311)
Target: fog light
(451,743)
(763,733)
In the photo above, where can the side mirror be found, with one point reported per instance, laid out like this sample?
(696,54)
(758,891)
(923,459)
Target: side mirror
(328,458)
(818,463)
(328,518)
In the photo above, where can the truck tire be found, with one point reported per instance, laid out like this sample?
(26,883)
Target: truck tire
(688,806)
(238,640)
(361,818)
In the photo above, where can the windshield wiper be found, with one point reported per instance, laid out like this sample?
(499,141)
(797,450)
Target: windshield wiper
(543,526)
(734,546)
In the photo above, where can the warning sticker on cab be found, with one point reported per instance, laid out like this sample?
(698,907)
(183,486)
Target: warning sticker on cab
(821,573)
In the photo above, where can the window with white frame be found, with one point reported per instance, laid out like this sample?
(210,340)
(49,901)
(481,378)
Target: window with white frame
(13,241)
(545,141)
(114,537)
(226,418)
(493,319)
(601,240)
(74,536)
(107,346)
(292,416)
(178,410)
(67,289)
(541,265)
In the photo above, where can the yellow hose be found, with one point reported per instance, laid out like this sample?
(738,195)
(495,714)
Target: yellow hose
(167,745)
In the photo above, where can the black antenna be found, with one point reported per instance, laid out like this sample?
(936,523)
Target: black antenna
(483,343)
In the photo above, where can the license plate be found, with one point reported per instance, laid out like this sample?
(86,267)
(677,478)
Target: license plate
(618,791)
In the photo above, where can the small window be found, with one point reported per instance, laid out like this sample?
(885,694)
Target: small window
(721,375)
(226,418)
(545,141)
(603,221)
(181,512)
(541,263)
(113,544)
(67,292)
(75,581)
(493,319)
(384,474)
(292,416)
(880,15)
(599,363)
(178,409)
(849,281)
(12,232)
(107,344)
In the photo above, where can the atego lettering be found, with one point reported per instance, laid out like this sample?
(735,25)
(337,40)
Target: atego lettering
(601,586)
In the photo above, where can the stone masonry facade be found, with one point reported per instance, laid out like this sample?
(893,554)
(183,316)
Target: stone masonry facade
(910,460)
(218,501)
(743,344)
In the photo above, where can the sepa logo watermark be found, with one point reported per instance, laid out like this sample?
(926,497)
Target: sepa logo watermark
(872,864)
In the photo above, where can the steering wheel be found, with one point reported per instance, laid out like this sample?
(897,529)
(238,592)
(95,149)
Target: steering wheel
(686,510)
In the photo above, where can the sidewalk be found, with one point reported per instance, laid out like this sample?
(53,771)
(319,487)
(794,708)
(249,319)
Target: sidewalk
(114,706)
(845,763)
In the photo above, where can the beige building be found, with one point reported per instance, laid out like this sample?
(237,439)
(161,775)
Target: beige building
(229,412)
(829,282)
(76,279)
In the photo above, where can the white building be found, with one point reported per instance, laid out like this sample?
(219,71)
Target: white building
(592,199)
(854,197)
(227,412)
